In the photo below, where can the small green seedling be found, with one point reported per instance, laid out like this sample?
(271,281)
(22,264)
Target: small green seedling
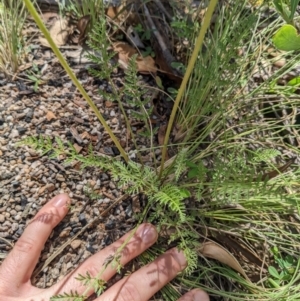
(148,51)
(179,66)
(145,34)
(287,38)
(285,269)
(294,83)
(291,87)
(286,9)
(35,76)
(173,92)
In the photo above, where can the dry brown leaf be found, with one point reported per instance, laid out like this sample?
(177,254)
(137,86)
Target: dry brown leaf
(84,135)
(213,250)
(82,26)
(125,52)
(109,104)
(274,173)
(112,12)
(121,13)
(77,148)
(59,33)
(50,115)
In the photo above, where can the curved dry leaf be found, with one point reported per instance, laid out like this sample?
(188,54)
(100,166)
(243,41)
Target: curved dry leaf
(59,33)
(125,52)
(276,172)
(82,26)
(213,250)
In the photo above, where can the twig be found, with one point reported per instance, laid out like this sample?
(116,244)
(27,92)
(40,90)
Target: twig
(165,51)
(160,5)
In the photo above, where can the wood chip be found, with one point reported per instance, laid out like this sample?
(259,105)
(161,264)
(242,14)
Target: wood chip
(77,147)
(50,115)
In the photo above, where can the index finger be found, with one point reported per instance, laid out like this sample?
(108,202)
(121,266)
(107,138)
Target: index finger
(144,283)
(17,268)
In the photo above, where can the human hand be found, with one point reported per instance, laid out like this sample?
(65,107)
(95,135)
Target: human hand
(17,268)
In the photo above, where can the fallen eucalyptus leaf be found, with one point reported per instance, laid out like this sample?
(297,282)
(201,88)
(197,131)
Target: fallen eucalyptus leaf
(125,52)
(215,251)
(59,33)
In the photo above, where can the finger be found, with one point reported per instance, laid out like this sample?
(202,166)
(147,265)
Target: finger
(17,268)
(144,237)
(195,295)
(143,284)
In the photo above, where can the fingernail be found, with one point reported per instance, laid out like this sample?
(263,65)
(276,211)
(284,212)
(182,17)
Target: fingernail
(179,257)
(148,234)
(200,296)
(60,200)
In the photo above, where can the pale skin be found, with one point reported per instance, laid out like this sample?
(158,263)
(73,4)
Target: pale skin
(17,268)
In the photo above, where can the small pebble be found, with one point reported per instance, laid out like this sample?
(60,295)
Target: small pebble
(15,226)
(15,184)
(14,133)
(115,151)
(112,185)
(79,187)
(2,218)
(21,130)
(55,273)
(82,219)
(13,212)
(17,217)
(65,233)
(60,178)
(128,210)
(108,150)
(29,116)
(110,225)
(18,207)
(104,176)
(75,244)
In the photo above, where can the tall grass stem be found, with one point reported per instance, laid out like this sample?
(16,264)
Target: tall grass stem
(65,65)
(189,70)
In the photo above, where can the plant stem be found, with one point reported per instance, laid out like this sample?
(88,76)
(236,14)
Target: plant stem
(73,77)
(190,67)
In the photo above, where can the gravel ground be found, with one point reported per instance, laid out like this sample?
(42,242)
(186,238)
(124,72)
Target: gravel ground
(28,180)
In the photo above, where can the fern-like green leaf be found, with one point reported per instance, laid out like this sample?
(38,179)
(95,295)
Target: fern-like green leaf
(72,296)
(173,197)
(265,155)
(180,163)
